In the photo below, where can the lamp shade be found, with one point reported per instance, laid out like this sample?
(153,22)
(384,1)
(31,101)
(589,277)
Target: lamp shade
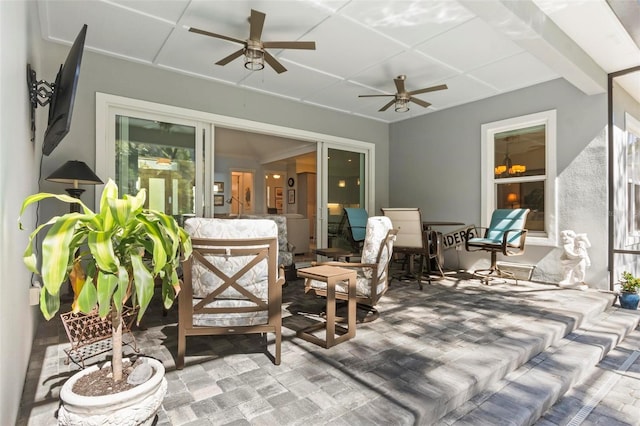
(74,172)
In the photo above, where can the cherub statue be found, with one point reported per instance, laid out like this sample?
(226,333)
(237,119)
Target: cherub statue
(575,258)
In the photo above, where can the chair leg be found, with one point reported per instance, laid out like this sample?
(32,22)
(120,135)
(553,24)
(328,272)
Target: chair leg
(486,275)
(182,344)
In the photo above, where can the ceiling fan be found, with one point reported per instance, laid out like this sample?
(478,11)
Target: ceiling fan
(402,97)
(254,48)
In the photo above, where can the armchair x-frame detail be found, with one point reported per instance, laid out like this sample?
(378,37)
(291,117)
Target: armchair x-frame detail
(231,286)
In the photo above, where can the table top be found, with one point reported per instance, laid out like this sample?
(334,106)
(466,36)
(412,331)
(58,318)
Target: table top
(333,251)
(324,271)
(430,223)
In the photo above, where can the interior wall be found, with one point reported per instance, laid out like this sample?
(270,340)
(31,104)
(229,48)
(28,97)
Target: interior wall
(110,75)
(19,161)
(435,164)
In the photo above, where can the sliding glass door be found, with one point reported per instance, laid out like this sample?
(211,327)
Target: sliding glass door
(345,184)
(163,155)
(169,151)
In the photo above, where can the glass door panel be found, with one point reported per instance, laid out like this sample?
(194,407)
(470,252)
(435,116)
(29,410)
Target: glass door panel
(160,157)
(345,188)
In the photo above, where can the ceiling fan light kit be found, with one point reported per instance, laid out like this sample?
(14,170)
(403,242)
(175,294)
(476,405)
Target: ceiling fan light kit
(402,105)
(254,59)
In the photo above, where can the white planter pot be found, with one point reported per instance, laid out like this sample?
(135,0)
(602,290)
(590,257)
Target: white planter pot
(136,406)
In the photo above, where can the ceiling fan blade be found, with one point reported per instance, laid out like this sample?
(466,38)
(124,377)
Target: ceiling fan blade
(310,45)
(419,102)
(207,33)
(234,55)
(274,63)
(373,96)
(386,107)
(256,23)
(429,89)
(399,84)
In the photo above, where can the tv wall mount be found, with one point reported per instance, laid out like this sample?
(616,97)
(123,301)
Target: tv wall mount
(41,93)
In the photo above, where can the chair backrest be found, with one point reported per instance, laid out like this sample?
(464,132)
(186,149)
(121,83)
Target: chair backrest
(213,242)
(356,222)
(503,220)
(408,223)
(378,248)
(285,256)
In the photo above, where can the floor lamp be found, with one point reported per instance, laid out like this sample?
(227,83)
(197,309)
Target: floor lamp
(75,173)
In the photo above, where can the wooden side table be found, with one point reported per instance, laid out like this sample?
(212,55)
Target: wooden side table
(331,275)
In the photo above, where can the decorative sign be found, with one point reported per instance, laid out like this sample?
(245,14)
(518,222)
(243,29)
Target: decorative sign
(456,238)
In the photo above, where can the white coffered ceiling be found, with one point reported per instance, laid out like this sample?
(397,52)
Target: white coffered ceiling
(479,48)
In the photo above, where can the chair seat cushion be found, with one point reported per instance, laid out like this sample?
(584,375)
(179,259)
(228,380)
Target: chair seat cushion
(488,243)
(230,319)
(484,242)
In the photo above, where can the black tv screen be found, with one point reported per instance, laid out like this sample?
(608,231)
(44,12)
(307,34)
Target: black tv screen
(64,93)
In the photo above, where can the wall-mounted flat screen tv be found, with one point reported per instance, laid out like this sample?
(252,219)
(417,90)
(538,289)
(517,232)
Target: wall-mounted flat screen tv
(64,93)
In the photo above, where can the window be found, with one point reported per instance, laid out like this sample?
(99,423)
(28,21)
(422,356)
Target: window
(518,161)
(633,177)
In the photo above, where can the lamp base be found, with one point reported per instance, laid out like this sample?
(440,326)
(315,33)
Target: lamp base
(75,193)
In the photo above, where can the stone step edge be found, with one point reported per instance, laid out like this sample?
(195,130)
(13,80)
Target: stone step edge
(526,344)
(553,333)
(526,393)
(603,386)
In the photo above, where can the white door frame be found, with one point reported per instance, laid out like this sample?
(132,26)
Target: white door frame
(107,104)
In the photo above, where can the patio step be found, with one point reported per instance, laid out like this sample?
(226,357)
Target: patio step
(525,394)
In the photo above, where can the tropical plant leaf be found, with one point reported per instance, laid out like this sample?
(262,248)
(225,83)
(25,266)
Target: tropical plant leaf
(77,277)
(159,254)
(143,281)
(121,293)
(88,296)
(49,304)
(56,249)
(107,283)
(102,250)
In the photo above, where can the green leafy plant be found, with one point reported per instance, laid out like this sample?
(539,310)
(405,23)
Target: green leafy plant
(123,247)
(629,283)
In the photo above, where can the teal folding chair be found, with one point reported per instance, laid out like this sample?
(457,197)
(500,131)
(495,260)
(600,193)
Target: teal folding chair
(506,234)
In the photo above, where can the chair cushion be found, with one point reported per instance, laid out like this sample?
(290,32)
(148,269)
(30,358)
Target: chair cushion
(256,280)
(229,319)
(377,229)
(503,220)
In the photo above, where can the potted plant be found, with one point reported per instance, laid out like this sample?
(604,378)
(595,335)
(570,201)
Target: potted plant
(629,286)
(123,248)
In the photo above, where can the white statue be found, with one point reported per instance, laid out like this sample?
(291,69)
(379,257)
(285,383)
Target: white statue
(575,258)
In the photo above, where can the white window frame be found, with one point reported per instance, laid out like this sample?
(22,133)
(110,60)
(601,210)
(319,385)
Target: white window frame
(632,127)
(489,182)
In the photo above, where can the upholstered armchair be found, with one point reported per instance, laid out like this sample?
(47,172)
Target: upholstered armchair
(372,279)
(232,282)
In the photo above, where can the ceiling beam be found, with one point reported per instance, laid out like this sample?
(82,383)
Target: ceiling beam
(529,27)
